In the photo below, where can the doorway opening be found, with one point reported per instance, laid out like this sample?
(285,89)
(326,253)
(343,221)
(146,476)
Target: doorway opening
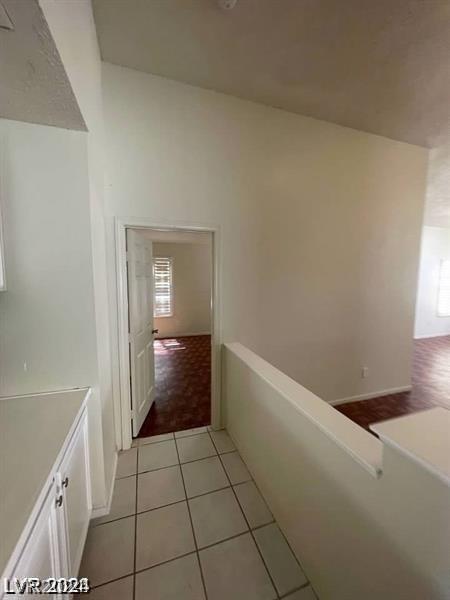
(168,342)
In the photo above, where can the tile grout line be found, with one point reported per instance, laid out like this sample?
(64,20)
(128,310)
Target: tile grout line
(197,550)
(250,530)
(143,512)
(282,533)
(245,517)
(274,521)
(100,585)
(135,527)
(187,462)
(192,526)
(302,587)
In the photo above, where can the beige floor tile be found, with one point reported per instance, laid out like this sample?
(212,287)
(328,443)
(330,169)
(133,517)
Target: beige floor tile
(222,441)
(178,579)
(153,439)
(235,468)
(204,476)
(109,551)
(303,594)
(157,456)
(117,590)
(253,504)
(123,500)
(187,432)
(158,488)
(195,447)
(234,570)
(216,516)
(281,562)
(163,534)
(127,463)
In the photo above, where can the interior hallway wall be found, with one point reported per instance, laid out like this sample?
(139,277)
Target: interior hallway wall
(47,320)
(435,248)
(191,269)
(319,224)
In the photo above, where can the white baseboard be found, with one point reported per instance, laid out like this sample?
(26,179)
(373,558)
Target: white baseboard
(433,335)
(101,511)
(397,390)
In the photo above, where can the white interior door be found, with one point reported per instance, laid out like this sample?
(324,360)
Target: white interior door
(140,303)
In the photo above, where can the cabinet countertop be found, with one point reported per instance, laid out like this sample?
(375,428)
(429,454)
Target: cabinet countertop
(33,431)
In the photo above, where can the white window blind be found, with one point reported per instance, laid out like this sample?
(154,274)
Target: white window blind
(163,287)
(443,309)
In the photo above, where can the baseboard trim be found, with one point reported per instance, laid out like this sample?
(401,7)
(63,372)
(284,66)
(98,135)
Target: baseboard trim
(397,390)
(102,511)
(177,335)
(433,335)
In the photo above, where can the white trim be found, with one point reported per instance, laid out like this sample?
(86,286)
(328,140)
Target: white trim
(431,335)
(396,390)
(122,408)
(101,511)
(3,286)
(175,335)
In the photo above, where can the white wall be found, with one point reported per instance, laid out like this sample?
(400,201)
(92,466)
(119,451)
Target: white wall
(47,324)
(358,536)
(191,268)
(319,224)
(435,248)
(437,209)
(73,29)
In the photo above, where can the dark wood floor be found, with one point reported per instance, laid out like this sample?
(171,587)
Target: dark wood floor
(430,386)
(183,385)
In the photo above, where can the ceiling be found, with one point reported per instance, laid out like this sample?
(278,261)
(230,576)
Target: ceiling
(34,86)
(380,66)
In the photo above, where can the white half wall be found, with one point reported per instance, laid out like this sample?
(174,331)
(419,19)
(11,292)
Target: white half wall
(191,268)
(435,248)
(319,224)
(367,520)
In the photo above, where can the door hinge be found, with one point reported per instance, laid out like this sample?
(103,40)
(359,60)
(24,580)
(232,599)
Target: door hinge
(132,414)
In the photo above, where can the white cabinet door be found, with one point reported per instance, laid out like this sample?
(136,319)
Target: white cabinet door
(75,478)
(44,553)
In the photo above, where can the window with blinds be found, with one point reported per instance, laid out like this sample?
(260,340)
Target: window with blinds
(163,287)
(443,308)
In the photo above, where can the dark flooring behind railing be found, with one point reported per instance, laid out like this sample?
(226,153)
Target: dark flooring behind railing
(430,386)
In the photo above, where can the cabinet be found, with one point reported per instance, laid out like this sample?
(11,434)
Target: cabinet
(54,545)
(44,554)
(76,494)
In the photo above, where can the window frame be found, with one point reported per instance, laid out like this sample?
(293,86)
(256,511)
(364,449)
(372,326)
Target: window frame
(171,291)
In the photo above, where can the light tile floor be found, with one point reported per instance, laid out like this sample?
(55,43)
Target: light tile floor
(187,522)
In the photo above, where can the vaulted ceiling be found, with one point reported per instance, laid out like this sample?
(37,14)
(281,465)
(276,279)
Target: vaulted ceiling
(380,66)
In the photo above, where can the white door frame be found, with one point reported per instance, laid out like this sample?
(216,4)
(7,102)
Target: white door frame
(123,407)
